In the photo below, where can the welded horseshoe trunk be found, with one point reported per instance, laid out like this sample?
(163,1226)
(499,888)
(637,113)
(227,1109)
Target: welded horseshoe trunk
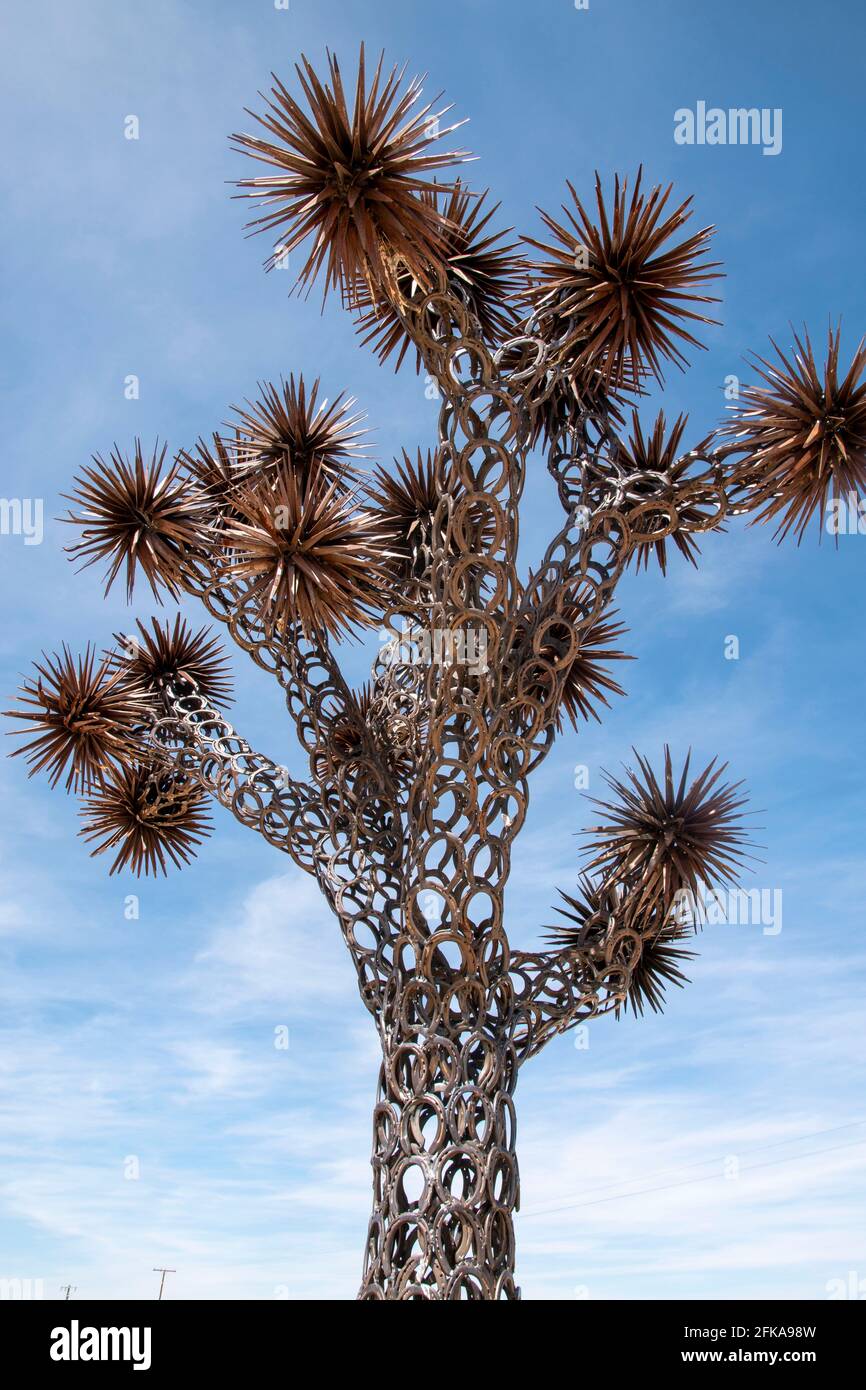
(445,1175)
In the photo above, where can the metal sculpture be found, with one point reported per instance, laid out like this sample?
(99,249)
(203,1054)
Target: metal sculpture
(419,783)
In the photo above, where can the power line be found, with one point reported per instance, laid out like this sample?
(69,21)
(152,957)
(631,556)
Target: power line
(702,1163)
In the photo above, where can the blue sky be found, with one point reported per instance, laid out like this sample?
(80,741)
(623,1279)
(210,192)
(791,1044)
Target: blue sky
(718,1150)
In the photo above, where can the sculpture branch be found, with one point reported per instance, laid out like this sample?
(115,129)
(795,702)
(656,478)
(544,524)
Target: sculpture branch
(201,744)
(350,856)
(321,704)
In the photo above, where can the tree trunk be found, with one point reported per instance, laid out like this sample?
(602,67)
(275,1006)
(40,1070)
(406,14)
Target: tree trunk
(445,1180)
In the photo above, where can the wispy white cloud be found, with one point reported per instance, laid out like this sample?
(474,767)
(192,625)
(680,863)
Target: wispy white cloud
(284,951)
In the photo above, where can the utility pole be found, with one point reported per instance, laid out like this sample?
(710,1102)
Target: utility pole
(163,1272)
(68,1289)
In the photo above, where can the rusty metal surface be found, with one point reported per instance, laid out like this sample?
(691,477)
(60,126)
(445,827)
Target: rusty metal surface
(408,830)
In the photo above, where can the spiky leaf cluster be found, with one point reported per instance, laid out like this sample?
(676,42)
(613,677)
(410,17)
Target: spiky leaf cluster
(148,816)
(163,655)
(478,265)
(587,682)
(404,502)
(800,436)
(81,717)
(307,555)
(135,515)
(348,177)
(654,454)
(289,427)
(665,836)
(613,293)
(593,912)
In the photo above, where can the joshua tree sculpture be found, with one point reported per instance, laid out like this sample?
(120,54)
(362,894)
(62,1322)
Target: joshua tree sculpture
(418,784)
